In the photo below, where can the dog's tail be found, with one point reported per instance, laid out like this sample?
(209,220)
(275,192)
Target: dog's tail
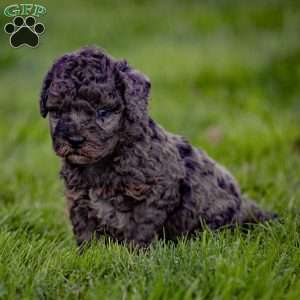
(251,213)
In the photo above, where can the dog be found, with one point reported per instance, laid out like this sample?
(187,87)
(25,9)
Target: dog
(125,176)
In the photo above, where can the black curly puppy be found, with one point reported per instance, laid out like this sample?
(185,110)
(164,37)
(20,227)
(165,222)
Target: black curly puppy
(124,175)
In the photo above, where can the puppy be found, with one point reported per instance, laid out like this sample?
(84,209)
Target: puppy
(125,176)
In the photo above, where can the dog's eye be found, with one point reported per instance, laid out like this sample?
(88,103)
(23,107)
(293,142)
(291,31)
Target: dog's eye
(54,114)
(105,112)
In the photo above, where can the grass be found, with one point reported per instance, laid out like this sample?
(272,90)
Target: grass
(226,74)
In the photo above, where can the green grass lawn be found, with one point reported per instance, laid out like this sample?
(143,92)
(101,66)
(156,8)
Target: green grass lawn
(226,74)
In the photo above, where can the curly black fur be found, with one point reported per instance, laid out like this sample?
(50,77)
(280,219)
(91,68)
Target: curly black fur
(124,175)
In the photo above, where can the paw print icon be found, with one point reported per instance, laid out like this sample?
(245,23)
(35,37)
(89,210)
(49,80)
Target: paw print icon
(24,32)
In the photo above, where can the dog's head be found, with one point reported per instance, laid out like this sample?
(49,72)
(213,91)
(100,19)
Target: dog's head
(94,102)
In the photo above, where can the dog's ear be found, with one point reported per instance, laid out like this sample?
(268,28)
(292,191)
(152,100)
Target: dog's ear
(44,93)
(135,89)
(46,84)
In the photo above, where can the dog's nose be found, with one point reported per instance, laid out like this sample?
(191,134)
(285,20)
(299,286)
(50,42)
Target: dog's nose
(76,140)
